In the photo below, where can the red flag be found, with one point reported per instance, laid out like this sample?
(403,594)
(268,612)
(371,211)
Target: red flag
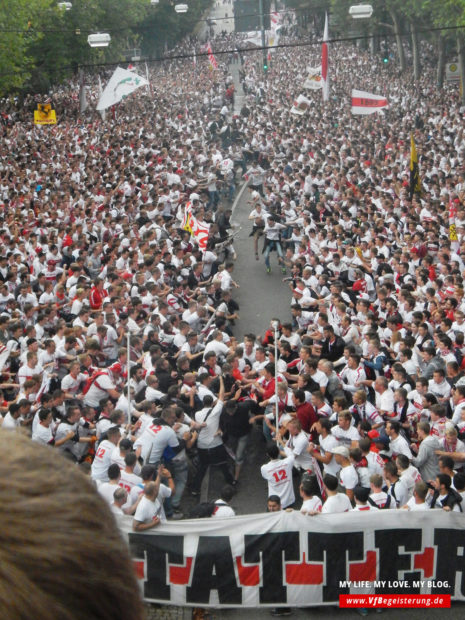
(324,62)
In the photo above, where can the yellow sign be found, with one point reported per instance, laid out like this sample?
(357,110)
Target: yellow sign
(44,115)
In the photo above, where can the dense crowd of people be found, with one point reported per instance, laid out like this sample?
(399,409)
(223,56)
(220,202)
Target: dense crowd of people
(117,330)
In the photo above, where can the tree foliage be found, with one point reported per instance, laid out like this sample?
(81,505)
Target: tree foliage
(41,44)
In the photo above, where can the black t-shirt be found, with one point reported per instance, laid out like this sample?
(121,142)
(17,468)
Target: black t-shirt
(236,425)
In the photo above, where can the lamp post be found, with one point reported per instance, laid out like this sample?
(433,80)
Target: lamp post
(262,30)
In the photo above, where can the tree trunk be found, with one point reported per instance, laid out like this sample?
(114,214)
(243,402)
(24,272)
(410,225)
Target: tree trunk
(415,52)
(461,55)
(400,47)
(441,60)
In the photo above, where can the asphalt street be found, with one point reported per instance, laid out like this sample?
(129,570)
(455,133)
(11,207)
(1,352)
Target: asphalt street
(261,297)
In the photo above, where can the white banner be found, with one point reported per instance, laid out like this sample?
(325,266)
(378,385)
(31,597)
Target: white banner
(290,559)
(301,105)
(367,103)
(122,83)
(314,80)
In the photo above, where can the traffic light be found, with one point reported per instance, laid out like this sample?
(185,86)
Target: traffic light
(386,57)
(265,66)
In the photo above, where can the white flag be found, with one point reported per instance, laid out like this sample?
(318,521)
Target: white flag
(367,103)
(313,81)
(301,105)
(122,83)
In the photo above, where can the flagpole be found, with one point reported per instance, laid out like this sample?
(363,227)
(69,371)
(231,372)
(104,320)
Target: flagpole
(275,325)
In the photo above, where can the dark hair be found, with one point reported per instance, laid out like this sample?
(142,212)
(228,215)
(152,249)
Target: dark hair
(272,450)
(330,481)
(114,471)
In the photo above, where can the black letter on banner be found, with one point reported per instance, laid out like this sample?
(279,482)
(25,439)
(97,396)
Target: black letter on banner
(155,549)
(448,562)
(391,562)
(214,570)
(334,547)
(270,548)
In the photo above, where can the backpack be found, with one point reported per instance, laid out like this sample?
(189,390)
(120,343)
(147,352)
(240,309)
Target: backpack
(386,505)
(91,380)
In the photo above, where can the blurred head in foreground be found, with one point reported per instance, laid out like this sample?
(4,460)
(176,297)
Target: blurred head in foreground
(61,554)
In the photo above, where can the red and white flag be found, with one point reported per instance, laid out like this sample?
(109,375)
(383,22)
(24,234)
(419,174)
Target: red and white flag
(324,62)
(198,230)
(367,103)
(211,57)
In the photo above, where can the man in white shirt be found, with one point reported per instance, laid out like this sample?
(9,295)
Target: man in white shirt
(210,445)
(102,460)
(326,442)
(361,495)
(278,473)
(418,499)
(348,476)
(384,396)
(397,443)
(157,437)
(149,510)
(397,488)
(297,445)
(336,502)
(346,434)
(222,508)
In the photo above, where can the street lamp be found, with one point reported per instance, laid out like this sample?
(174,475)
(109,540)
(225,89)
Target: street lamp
(100,39)
(361,11)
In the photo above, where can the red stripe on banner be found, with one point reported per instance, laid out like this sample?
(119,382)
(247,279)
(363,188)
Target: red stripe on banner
(179,575)
(364,571)
(369,103)
(324,61)
(304,574)
(248,575)
(139,568)
(425,561)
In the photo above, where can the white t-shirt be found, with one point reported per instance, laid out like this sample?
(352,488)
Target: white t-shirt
(102,460)
(312,504)
(348,477)
(147,509)
(345,437)
(222,510)
(399,445)
(106,490)
(42,434)
(297,445)
(207,435)
(9,422)
(337,503)
(154,440)
(278,473)
(413,506)
(327,444)
(359,507)
(380,499)
(98,390)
